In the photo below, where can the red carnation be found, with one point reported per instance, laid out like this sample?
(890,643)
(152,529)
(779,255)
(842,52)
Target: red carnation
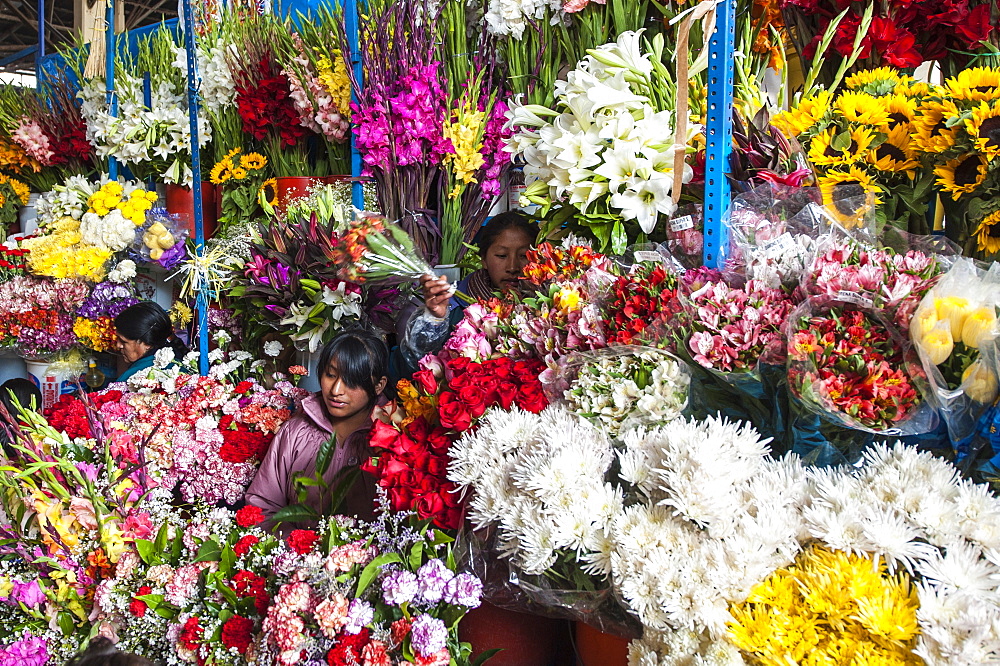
(241,445)
(301,541)
(243,387)
(249,515)
(237,633)
(348,649)
(243,546)
(399,630)
(190,635)
(138,607)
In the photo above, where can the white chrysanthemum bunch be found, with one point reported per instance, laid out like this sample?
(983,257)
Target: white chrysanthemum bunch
(682,648)
(911,509)
(609,140)
(159,133)
(511,17)
(624,389)
(541,480)
(718,517)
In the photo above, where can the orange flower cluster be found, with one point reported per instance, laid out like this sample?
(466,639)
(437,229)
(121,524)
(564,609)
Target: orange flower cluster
(14,160)
(547,262)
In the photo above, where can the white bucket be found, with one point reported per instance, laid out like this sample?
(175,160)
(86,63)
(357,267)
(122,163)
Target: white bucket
(27,216)
(11,366)
(47,383)
(308,360)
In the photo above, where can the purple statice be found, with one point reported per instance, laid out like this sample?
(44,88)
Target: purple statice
(432,579)
(30,593)
(399,587)
(359,613)
(464,590)
(108,299)
(428,635)
(29,650)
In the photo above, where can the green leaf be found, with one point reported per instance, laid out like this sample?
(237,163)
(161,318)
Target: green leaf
(227,561)
(372,570)
(146,549)
(208,552)
(227,593)
(342,485)
(295,513)
(416,555)
(165,612)
(619,239)
(66,623)
(481,659)
(325,455)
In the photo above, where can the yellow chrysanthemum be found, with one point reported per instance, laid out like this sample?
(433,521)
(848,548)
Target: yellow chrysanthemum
(253,161)
(984,127)
(221,172)
(181,314)
(858,107)
(803,117)
(833,146)
(895,154)
(932,134)
(988,234)
(976,84)
(961,175)
(874,81)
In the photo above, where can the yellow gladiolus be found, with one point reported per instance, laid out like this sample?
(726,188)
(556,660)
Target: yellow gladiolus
(982,383)
(979,327)
(954,309)
(938,345)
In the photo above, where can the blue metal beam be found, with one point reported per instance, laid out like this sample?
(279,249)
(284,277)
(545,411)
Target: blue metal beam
(14,57)
(719,133)
(41,40)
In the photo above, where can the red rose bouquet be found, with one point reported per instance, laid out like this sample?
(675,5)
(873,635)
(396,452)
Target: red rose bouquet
(849,364)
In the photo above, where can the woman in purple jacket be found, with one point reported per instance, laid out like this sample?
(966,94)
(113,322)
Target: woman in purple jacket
(352,377)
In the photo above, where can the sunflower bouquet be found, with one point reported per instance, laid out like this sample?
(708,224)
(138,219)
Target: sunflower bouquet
(957,133)
(859,142)
(240,175)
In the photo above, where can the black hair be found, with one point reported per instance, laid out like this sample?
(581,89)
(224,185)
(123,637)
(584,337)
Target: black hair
(512,219)
(22,390)
(362,359)
(102,652)
(148,323)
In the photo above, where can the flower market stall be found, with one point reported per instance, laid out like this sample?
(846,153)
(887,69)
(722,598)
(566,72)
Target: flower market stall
(713,378)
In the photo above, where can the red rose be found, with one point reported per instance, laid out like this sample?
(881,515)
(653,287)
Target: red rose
(237,633)
(461,381)
(422,460)
(530,398)
(506,392)
(453,414)
(439,441)
(436,466)
(190,635)
(474,399)
(429,505)
(139,607)
(383,435)
(400,498)
(301,541)
(502,368)
(458,365)
(426,380)
(249,515)
(243,546)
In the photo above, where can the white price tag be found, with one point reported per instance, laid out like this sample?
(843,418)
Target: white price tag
(778,246)
(681,223)
(857,299)
(647,255)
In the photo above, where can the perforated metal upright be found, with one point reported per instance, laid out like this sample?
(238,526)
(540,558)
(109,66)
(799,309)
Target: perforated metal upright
(719,132)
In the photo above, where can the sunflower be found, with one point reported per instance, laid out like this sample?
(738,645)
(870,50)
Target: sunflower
(239,173)
(902,111)
(233,153)
(984,126)
(830,147)
(895,154)
(858,107)
(804,116)
(913,88)
(874,81)
(977,83)
(253,161)
(961,175)
(839,185)
(988,234)
(269,187)
(932,133)
(221,172)
(21,191)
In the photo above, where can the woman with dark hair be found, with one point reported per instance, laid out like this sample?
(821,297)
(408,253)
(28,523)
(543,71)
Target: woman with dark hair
(503,246)
(352,377)
(102,652)
(144,329)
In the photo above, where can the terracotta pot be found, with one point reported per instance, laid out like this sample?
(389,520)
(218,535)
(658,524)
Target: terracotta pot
(596,648)
(180,202)
(524,640)
(288,188)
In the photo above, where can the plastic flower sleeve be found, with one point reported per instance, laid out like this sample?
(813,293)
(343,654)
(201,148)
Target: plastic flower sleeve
(686,236)
(621,387)
(955,331)
(160,239)
(851,365)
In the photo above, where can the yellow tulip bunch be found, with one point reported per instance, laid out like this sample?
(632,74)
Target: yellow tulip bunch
(952,326)
(830,607)
(133,205)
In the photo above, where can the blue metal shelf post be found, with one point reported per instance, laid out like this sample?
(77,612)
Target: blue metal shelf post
(194,83)
(111,52)
(719,132)
(354,37)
